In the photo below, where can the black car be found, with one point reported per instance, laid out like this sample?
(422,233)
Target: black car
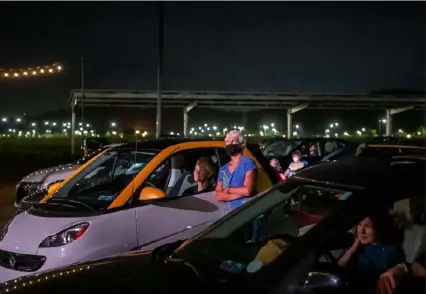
(313,150)
(224,258)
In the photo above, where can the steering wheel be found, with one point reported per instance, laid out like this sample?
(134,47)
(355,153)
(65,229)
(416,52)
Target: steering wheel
(148,183)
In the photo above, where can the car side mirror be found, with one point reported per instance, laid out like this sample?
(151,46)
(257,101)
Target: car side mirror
(151,193)
(54,187)
(316,280)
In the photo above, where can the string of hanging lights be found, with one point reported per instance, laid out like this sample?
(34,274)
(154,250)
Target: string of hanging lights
(50,69)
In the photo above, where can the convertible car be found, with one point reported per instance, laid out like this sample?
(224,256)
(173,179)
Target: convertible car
(127,196)
(290,250)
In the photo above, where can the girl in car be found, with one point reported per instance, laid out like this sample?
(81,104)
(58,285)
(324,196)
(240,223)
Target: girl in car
(204,175)
(373,252)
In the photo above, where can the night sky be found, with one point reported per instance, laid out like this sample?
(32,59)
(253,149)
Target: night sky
(218,46)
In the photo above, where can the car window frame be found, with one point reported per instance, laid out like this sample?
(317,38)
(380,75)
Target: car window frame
(135,196)
(128,192)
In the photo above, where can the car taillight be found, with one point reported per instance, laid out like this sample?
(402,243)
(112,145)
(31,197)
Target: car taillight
(66,236)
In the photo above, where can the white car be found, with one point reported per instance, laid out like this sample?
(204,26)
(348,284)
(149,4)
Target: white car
(134,195)
(41,179)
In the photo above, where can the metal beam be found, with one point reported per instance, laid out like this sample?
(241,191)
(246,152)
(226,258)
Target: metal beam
(187,109)
(388,116)
(307,97)
(72,130)
(289,123)
(298,108)
(400,109)
(224,107)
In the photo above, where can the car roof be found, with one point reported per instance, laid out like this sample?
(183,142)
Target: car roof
(160,144)
(366,172)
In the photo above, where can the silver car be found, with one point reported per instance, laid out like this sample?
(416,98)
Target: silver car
(40,180)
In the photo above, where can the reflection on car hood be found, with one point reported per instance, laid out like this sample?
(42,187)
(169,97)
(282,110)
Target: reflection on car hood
(134,272)
(58,172)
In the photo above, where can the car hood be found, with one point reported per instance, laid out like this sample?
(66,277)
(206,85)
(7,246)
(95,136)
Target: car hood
(134,272)
(25,231)
(45,174)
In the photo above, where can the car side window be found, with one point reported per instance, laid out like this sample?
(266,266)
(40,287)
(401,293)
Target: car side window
(181,180)
(175,175)
(330,146)
(224,158)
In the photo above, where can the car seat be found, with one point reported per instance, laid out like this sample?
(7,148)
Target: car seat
(415,230)
(185,182)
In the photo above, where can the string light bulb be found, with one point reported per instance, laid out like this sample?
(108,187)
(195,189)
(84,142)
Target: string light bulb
(54,68)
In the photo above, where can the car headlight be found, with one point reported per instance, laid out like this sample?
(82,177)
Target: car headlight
(66,236)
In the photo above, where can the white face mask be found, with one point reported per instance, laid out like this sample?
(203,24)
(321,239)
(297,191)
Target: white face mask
(295,159)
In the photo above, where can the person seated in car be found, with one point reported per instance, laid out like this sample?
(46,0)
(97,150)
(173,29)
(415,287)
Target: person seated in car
(296,165)
(235,184)
(276,165)
(373,252)
(203,176)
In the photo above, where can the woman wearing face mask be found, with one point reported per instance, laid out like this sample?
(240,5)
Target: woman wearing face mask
(203,176)
(372,253)
(235,182)
(296,165)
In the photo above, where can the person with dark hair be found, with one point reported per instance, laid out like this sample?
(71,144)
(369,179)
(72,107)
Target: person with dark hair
(296,165)
(373,251)
(204,177)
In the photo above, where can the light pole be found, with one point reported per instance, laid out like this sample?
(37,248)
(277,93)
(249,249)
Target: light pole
(159,67)
(82,94)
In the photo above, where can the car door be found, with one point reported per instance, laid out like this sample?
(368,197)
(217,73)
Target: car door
(177,216)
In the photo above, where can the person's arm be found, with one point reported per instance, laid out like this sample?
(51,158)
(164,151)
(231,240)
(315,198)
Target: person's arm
(247,189)
(221,193)
(343,261)
(389,279)
(417,267)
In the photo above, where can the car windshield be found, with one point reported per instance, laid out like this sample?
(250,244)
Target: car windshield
(261,230)
(103,180)
(89,156)
(280,148)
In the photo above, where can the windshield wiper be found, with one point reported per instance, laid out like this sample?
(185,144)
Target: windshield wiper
(63,201)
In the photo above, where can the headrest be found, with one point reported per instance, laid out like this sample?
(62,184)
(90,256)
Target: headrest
(412,209)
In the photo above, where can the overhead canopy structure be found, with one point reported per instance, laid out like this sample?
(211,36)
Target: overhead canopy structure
(241,101)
